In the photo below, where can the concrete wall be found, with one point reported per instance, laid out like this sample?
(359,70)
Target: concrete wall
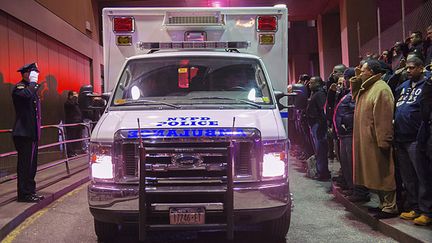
(303,48)
(68,55)
(358,25)
(72,35)
(329,43)
(75,13)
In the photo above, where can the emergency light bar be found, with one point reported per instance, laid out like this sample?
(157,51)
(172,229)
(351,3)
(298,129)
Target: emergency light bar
(194,45)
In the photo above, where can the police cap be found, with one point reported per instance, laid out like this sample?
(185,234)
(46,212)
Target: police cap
(28,68)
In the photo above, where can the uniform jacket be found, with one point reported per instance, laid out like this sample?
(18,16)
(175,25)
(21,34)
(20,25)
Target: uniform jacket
(408,119)
(373,134)
(27,110)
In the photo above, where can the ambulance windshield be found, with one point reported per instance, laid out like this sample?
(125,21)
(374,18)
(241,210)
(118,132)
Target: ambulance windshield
(198,80)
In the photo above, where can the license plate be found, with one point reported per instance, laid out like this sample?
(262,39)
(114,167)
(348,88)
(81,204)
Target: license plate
(187,215)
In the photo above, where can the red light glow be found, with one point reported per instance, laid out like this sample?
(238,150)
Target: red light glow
(267,23)
(123,24)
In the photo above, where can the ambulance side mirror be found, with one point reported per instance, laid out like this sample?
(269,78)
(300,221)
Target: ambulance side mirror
(106,96)
(279,95)
(98,101)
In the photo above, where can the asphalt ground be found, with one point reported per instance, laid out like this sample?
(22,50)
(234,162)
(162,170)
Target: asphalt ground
(317,217)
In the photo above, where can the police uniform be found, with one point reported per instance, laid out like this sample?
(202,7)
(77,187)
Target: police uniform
(26,134)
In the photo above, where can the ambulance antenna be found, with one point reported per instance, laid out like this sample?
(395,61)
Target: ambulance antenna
(139,133)
(233,130)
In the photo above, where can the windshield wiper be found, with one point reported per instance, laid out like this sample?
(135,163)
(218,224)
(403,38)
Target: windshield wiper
(226,98)
(149,102)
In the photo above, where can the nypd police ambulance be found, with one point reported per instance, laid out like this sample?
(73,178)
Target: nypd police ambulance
(192,136)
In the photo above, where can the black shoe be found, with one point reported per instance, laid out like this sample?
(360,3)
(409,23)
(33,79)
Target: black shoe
(357,198)
(38,196)
(340,180)
(385,215)
(321,178)
(347,192)
(29,199)
(343,187)
(374,210)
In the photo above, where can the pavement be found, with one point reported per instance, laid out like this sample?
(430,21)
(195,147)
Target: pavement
(52,183)
(399,229)
(55,182)
(396,228)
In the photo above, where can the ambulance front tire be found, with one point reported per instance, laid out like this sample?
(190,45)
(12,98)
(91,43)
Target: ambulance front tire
(105,232)
(277,229)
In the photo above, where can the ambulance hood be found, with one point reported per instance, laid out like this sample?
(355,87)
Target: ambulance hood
(268,122)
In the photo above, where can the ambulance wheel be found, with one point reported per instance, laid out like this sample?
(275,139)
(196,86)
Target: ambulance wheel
(277,229)
(105,232)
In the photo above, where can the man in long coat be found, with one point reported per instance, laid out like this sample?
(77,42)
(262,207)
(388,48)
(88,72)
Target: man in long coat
(373,135)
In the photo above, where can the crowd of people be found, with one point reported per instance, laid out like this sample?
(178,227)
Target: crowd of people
(376,120)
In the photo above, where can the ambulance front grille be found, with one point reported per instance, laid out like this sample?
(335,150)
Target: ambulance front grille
(209,160)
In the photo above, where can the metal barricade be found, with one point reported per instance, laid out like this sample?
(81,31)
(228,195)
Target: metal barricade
(88,128)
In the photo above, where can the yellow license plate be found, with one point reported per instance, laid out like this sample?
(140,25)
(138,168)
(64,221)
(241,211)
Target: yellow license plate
(187,216)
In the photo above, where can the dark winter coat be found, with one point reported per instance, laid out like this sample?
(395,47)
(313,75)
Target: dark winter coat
(315,107)
(72,111)
(343,118)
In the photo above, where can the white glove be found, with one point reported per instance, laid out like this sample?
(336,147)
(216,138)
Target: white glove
(34,76)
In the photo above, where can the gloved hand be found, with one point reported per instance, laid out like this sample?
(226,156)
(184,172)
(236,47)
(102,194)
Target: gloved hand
(34,76)
(357,71)
(333,87)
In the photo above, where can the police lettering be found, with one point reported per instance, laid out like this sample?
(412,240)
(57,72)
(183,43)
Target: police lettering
(173,133)
(187,122)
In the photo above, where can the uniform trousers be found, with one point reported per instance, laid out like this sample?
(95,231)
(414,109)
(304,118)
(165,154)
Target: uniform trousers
(27,150)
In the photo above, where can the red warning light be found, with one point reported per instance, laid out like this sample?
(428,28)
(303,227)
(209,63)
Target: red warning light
(267,23)
(123,24)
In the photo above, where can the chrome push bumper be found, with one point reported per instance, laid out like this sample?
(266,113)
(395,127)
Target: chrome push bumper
(253,202)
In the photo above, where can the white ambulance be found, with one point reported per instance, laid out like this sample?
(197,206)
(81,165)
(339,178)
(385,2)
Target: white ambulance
(192,136)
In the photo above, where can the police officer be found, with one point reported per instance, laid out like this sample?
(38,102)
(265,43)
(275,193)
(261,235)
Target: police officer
(26,131)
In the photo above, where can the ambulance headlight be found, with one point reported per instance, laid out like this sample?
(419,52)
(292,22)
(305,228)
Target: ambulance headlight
(101,164)
(275,160)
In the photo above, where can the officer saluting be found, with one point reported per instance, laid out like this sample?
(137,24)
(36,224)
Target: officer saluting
(26,131)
